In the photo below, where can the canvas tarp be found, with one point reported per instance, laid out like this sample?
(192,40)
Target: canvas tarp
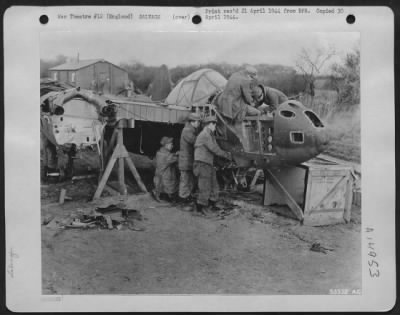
(196,88)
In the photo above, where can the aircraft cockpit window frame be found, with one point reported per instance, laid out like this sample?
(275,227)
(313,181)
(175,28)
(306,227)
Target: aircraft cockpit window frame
(285,114)
(314,119)
(292,137)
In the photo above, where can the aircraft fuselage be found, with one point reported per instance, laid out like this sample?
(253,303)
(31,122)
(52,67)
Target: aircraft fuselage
(291,135)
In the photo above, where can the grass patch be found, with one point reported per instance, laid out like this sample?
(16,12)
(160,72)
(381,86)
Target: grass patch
(343,124)
(344,127)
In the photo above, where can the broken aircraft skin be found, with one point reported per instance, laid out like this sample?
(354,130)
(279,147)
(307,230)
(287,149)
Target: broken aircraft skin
(292,134)
(70,120)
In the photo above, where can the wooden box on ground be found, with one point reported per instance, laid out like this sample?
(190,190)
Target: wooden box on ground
(313,192)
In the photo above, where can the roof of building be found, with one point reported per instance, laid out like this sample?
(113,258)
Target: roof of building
(74,65)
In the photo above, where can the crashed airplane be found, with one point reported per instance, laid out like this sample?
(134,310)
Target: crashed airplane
(72,119)
(291,135)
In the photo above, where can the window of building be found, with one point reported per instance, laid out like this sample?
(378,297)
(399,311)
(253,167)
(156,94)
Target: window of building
(55,76)
(72,77)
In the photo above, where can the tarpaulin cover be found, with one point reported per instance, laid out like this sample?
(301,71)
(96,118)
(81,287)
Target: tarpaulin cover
(196,88)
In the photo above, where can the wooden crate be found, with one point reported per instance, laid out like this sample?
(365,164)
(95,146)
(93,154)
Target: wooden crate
(317,194)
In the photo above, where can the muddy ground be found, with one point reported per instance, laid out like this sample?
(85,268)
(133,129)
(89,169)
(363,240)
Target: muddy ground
(251,250)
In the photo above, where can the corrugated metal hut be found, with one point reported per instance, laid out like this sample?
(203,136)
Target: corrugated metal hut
(96,74)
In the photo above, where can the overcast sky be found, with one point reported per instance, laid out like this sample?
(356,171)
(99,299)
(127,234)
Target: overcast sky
(175,49)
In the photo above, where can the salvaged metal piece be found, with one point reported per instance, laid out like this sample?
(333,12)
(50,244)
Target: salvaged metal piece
(71,119)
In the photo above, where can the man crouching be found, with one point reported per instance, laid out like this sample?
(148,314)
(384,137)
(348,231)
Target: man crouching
(205,148)
(166,176)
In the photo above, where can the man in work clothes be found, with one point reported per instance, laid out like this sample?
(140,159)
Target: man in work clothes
(186,157)
(236,101)
(205,148)
(267,98)
(166,175)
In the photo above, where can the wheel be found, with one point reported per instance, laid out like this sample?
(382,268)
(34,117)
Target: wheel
(243,186)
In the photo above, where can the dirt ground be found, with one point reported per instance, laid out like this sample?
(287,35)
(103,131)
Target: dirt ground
(250,251)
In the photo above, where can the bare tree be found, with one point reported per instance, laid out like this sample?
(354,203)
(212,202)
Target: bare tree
(45,65)
(310,63)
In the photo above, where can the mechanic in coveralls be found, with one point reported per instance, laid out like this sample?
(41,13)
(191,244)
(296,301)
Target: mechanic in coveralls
(166,175)
(205,148)
(267,99)
(236,101)
(186,157)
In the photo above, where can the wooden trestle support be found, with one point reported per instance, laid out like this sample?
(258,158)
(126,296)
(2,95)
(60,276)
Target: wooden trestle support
(121,154)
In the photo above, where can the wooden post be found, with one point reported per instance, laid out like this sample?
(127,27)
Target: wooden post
(105,176)
(102,150)
(62,196)
(135,174)
(255,178)
(121,176)
(121,172)
(111,145)
(349,199)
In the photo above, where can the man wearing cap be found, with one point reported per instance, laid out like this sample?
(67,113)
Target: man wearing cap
(205,148)
(166,175)
(186,157)
(267,98)
(236,101)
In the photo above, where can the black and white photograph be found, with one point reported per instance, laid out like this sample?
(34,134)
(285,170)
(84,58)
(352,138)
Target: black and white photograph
(189,140)
(200,163)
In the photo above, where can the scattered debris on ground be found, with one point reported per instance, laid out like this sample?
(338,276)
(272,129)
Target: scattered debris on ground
(226,209)
(316,247)
(111,217)
(242,248)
